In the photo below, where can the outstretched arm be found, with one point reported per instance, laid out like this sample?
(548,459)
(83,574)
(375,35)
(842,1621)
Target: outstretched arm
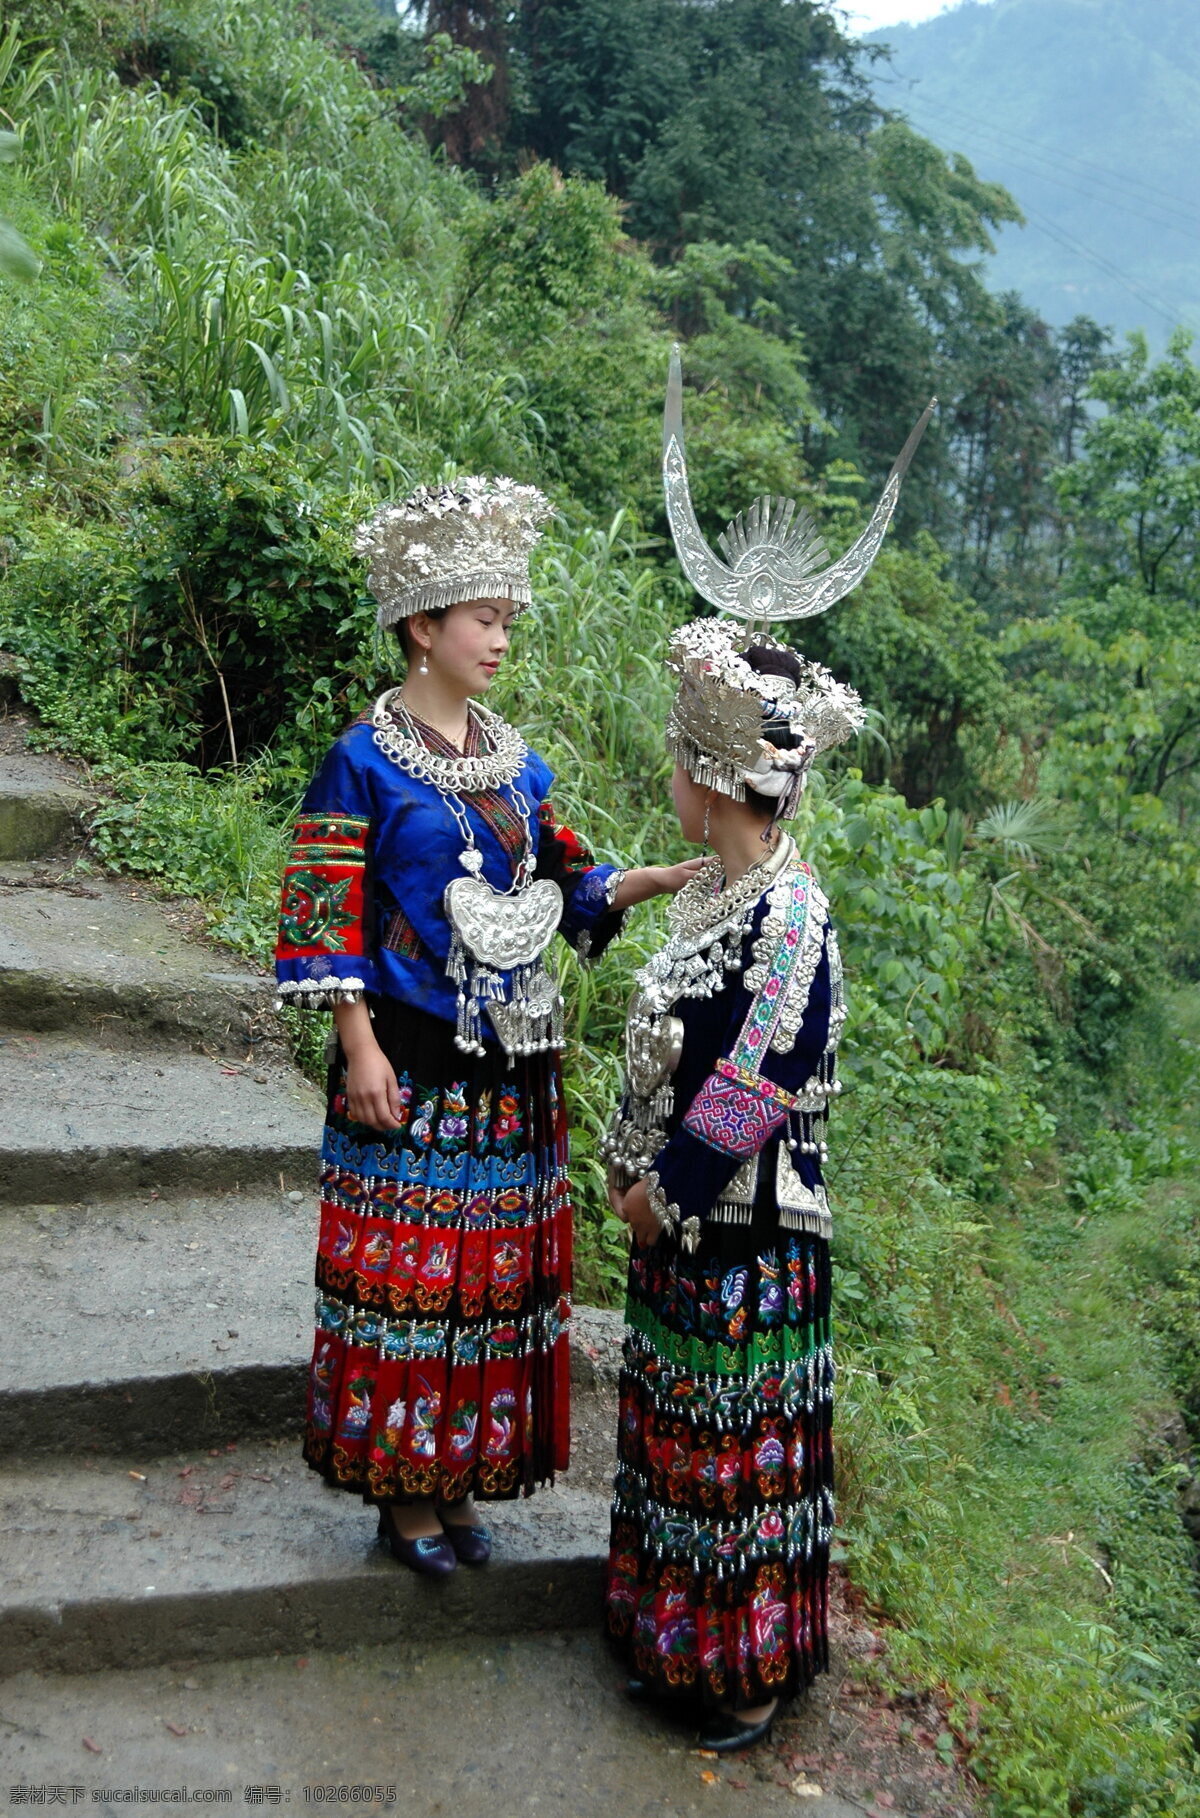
(645,881)
(596,896)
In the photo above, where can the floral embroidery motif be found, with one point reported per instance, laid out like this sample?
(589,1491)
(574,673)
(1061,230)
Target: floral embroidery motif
(731,1118)
(440,1357)
(506,1125)
(323,886)
(455,1119)
(787,953)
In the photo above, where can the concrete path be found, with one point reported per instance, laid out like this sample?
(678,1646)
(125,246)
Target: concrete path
(155,1322)
(41,805)
(241,1549)
(467,1729)
(76,1114)
(86,952)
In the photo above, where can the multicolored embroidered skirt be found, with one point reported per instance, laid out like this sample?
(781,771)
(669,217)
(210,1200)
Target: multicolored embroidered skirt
(723,1502)
(440,1365)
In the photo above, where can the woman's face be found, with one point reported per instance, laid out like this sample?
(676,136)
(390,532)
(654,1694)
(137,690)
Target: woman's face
(468,643)
(690,803)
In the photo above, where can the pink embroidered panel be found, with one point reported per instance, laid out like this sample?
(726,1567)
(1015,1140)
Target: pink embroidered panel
(731,1119)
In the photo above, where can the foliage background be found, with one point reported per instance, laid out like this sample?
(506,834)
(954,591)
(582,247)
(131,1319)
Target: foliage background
(292,260)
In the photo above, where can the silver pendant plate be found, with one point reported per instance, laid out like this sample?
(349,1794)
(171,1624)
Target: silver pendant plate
(504,931)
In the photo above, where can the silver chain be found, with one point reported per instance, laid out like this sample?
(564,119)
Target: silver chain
(417,761)
(501,764)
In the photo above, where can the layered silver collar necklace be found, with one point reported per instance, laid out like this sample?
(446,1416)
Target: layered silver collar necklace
(708,925)
(703,909)
(398,736)
(497,937)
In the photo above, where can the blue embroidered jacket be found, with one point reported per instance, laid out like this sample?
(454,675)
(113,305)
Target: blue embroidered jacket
(757,1069)
(371,857)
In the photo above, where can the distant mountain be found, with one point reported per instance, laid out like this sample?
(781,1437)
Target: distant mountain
(1089,112)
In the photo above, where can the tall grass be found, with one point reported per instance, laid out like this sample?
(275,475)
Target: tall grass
(298,292)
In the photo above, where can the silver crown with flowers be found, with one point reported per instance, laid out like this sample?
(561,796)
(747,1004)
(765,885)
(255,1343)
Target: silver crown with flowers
(726,719)
(468,541)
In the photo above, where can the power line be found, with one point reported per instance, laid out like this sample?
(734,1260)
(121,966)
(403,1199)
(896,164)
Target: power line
(1080,249)
(1120,177)
(1055,158)
(1139,209)
(1071,243)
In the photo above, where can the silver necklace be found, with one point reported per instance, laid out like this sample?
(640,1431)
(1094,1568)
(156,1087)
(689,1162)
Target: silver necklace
(497,937)
(709,927)
(707,932)
(701,909)
(396,735)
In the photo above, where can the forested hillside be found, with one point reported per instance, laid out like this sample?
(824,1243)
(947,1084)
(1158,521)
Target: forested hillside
(267,263)
(1087,111)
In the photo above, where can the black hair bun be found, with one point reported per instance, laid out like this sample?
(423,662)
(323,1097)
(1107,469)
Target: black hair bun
(769,659)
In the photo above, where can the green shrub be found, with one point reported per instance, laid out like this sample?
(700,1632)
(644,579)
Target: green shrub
(219,613)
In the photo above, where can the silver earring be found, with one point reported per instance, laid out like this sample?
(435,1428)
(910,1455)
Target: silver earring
(423,665)
(707,812)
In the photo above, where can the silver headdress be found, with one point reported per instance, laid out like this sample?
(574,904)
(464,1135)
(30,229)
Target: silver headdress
(731,727)
(442,544)
(734,729)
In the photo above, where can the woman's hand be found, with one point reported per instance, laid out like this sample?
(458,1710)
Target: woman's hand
(372,1095)
(645,881)
(672,878)
(636,1211)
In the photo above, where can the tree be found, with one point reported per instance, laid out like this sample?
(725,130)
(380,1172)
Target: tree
(743,123)
(475,133)
(1119,667)
(1135,492)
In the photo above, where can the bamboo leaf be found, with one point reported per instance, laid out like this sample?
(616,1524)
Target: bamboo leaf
(238,413)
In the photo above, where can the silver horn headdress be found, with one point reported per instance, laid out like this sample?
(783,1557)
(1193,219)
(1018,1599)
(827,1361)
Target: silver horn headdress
(774,552)
(731,726)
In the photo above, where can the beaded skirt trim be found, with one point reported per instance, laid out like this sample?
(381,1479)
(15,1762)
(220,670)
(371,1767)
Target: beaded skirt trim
(722,1510)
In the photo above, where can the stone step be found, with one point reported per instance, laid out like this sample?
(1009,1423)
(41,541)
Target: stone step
(132,1561)
(150,1323)
(83,1122)
(42,808)
(147,1323)
(522,1723)
(85,952)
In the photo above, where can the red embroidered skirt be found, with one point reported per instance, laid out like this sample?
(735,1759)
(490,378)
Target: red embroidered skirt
(723,1502)
(440,1363)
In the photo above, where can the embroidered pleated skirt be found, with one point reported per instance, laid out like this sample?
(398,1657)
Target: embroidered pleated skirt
(440,1362)
(723,1502)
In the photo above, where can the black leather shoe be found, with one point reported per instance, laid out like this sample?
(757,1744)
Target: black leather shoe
(430,1554)
(725,1733)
